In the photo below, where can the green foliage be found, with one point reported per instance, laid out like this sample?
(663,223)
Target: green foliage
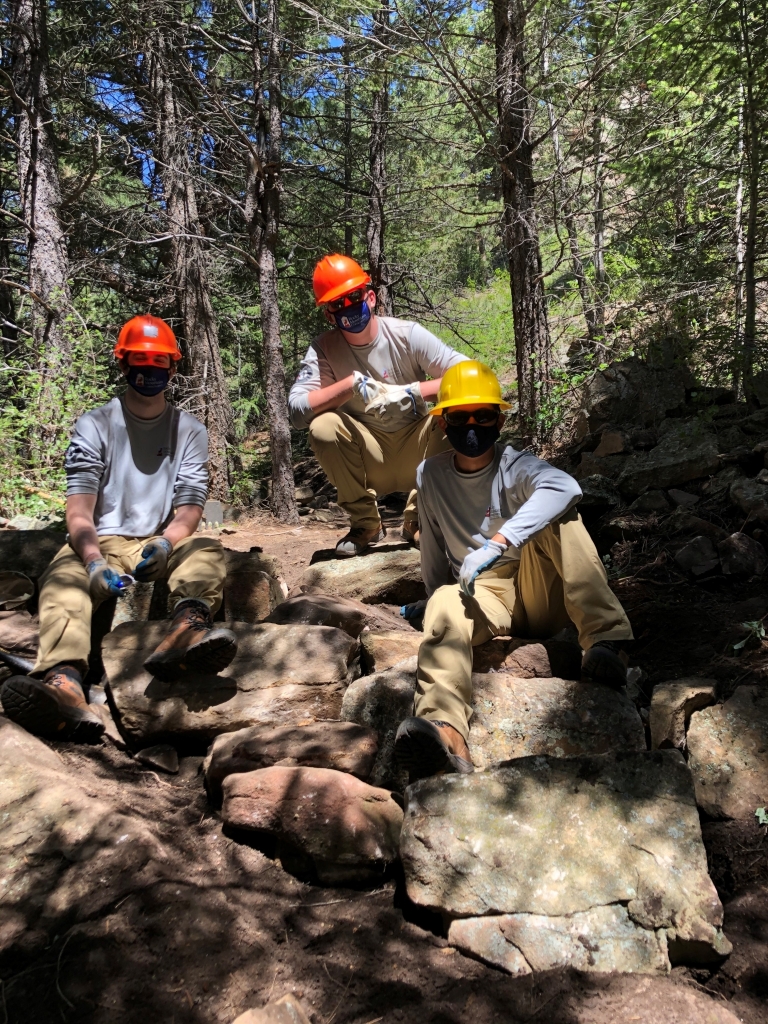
(762,816)
(756,631)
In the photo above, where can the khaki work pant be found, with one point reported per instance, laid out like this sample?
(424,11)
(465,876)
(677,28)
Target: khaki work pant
(195,569)
(363,463)
(559,580)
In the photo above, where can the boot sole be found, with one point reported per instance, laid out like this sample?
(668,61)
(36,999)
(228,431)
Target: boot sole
(30,704)
(420,750)
(359,550)
(208,657)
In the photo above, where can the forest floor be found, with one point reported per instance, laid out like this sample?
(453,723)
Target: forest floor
(225,928)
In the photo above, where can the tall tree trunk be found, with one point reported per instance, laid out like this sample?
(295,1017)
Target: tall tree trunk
(205,393)
(738,313)
(599,222)
(40,195)
(348,239)
(520,234)
(263,215)
(753,153)
(565,206)
(375,228)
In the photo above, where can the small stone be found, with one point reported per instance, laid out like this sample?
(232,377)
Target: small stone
(682,497)
(380,650)
(382,577)
(698,556)
(304,494)
(612,442)
(322,610)
(727,747)
(111,733)
(650,502)
(740,555)
(751,496)
(162,756)
(343,746)
(134,604)
(287,1010)
(672,705)
(325,823)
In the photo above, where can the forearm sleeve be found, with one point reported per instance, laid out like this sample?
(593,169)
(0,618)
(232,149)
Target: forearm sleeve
(84,462)
(307,380)
(550,493)
(191,486)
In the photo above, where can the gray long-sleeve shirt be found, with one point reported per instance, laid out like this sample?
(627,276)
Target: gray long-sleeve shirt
(140,469)
(516,495)
(401,353)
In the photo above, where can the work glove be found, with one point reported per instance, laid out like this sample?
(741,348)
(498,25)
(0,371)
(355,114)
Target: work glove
(413,612)
(154,563)
(367,388)
(103,582)
(398,400)
(477,562)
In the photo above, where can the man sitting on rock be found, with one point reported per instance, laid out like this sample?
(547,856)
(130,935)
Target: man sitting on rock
(361,391)
(137,480)
(503,524)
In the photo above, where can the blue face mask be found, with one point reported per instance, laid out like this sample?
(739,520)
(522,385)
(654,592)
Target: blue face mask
(353,319)
(148,380)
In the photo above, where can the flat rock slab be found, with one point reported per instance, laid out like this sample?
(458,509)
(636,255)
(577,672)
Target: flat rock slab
(684,454)
(672,705)
(29,551)
(55,840)
(342,746)
(604,939)
(558,837)
(322,610)
(728,754)
(381,649)
(281,675)
(325,823)
(518,717)
(383,577)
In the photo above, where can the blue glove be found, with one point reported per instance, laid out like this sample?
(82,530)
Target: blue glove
(103,582)
(413,611)
(154,560)
(477,562)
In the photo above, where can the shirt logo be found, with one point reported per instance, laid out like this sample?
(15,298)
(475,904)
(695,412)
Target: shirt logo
(492,513)
(385,375)
(163,452)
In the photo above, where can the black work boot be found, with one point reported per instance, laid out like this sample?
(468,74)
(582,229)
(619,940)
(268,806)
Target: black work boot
(605,663)
(193,644)
(54,706)
(425,748)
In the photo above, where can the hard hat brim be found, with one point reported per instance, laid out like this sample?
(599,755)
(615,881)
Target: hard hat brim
(341,289)
(452,403)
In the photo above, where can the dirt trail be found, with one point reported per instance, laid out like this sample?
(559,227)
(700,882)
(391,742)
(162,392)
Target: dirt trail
(222,927)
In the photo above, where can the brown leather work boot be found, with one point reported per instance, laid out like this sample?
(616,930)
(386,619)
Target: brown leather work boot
(358,540)
(53,707)
(429,748)
(411,533)
(193,644)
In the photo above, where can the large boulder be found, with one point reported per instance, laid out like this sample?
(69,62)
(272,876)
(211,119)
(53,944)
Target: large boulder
(740,555)
(324,823)
(672,705)
(751,496)
(29,551)
(381,649)
(342,746)
(633,392)
(321,610)
(253,586)
(558,837)
(381,577)
(518,717)
(55,840)
(685,453)
(281,675)
(728,754)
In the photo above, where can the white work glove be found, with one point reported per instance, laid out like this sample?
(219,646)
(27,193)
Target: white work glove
(154,564)
(366,387)
(399,400)
(477,562)
(103,582)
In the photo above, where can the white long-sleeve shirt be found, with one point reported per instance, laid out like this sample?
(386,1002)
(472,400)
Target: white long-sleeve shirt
(401,353)
(516,495)
(140,469)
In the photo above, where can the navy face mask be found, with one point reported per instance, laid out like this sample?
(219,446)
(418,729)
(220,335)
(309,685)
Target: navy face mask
(148,380)
(472,440)
(353,319)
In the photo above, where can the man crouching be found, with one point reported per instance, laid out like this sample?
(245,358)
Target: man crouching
(137,480)
(502,523)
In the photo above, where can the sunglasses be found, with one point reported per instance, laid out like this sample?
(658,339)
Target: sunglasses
(461,417)
(350,299)
(149,359)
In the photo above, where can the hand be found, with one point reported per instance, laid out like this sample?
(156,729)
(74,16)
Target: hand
(413,612)
(477,562)
(366,387)
(154,561)
(405,399)
(103,582)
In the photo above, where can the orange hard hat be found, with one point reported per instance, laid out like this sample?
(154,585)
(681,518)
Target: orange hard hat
(147,334)
(335,275)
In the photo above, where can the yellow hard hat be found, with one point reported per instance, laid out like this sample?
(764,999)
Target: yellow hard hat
(469,383)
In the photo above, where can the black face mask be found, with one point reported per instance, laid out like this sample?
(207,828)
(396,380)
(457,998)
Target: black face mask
(472,440)
(148,380)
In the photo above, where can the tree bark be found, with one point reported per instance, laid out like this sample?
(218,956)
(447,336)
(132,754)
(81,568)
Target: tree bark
(753,154)
(205,391)
(263,215)
(348,238)
(519,230)
(40,195)
(375,228)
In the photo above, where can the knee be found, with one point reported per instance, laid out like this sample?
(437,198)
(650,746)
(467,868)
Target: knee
(444,609)
(325,429)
